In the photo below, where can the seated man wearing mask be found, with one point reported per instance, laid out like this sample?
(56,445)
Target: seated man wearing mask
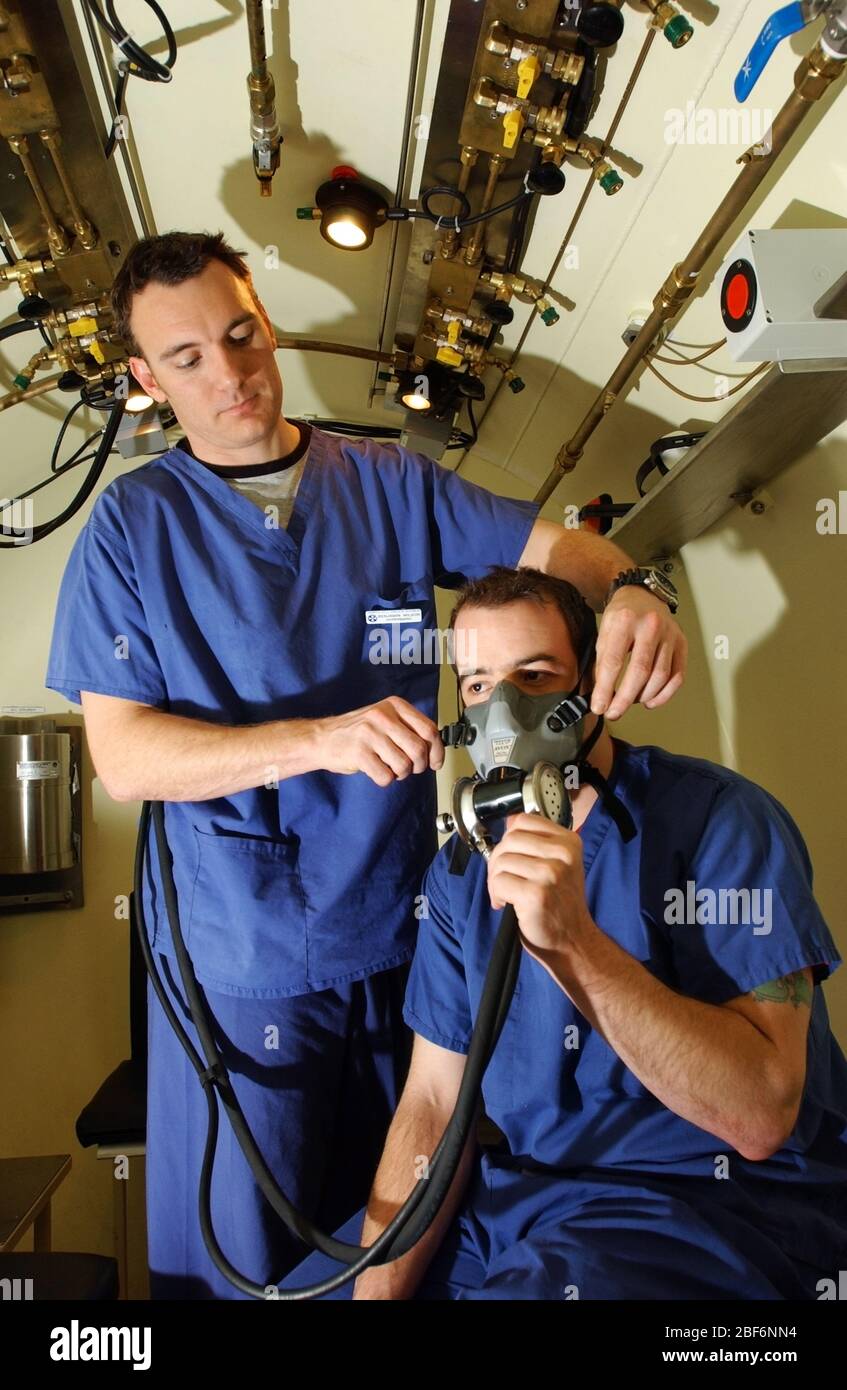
(672,1102)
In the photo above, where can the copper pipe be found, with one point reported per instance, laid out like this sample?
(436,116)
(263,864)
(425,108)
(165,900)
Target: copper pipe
(469,156)
(813,77)
(342,349)
(15,397)
(81,225)
(256,32)
(57,237)
(474,247)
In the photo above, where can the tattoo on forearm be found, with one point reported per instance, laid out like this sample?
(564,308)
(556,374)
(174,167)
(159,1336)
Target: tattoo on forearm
(789,989)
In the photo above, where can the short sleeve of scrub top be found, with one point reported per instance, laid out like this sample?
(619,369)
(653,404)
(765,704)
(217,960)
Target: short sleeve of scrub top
(437,1004)
(101,639)
(757,919)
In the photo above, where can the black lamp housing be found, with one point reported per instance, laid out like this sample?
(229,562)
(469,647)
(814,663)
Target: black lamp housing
(343,199)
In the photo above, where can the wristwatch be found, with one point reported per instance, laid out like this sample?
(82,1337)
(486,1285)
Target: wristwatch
(651,579)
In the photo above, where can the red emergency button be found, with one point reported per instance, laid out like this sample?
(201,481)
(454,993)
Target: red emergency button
(738,296)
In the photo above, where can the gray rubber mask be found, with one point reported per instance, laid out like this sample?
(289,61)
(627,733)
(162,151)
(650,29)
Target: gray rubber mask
(516,730)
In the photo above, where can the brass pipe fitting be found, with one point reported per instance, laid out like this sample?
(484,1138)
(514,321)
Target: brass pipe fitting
(24,272)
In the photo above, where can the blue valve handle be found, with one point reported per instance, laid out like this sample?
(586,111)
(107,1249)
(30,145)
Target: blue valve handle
(781,24)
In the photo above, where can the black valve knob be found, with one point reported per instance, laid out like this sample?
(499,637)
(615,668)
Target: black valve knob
(600,24)
(32,306)
(498,311)
(471,386)
(70,381)
(547,178)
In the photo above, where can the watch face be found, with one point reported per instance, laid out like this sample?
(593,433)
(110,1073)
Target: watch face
(660,581)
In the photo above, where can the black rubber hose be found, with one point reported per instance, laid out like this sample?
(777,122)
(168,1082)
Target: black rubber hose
(420,1209)
(99,463)
(11,329)
(148,66)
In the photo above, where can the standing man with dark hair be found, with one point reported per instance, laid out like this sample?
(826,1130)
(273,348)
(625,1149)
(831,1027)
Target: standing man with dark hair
(214,622)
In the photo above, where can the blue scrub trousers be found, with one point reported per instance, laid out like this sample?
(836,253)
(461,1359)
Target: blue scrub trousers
(596,1234)
(318,1104)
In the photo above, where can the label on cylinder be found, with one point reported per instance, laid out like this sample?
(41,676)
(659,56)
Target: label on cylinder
(38,769)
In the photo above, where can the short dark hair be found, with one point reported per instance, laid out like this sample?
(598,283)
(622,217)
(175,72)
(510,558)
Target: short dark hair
(168,260)
(503,585)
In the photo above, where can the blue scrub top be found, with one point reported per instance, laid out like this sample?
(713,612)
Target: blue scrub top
(179,594)
(557,1090)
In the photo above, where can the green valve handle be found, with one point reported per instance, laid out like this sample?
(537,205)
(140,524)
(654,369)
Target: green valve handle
(516,385)
(549,316)
(305,214)
(22,382)
(678,31)
(611,182)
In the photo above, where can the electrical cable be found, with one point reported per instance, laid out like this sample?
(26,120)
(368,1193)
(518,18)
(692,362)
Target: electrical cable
(137,62)
(458,222)
(77,405)
(472,418)
(72,462)
(46,528)
(75,456)
(20,326)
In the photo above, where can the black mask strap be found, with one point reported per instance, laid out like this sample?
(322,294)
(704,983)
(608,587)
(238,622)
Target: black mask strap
(613,804)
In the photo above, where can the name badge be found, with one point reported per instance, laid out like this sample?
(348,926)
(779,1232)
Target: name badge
(392,615)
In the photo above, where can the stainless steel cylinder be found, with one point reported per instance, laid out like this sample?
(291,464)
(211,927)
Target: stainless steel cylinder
(36,770)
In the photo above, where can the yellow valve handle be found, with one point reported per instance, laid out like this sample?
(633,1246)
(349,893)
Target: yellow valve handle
(453,331)
(449,356)
(512,127)
(528,70)
(77,327)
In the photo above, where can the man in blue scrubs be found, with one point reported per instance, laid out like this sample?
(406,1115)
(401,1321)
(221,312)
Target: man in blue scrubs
(672,1102)
(216,622)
